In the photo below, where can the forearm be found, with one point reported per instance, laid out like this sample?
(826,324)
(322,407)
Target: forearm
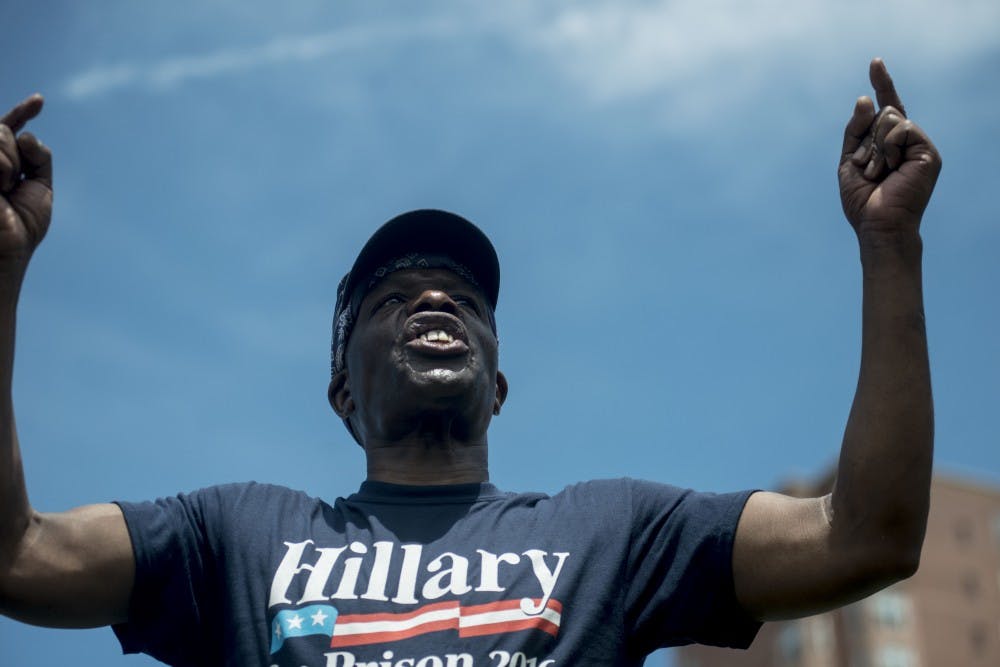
(25,212)
(14,508)
(881,497)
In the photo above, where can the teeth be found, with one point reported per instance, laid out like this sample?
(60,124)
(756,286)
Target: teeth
(437,335)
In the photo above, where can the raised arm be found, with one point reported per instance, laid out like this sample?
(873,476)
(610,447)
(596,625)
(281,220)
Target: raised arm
(795,557)
(72,569)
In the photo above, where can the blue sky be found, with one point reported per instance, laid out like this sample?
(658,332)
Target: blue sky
(680,293)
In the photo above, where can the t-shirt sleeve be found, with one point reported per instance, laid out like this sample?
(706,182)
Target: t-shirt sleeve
(680,577)
(171,604)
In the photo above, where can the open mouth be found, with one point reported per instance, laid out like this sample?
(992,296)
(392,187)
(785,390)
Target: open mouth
(436,334)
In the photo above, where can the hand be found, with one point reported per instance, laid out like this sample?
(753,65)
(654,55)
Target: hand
(888,166)
(25,188)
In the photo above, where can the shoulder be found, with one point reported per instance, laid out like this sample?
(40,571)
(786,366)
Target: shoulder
(650,501)
(621,490)
(613,499)
(227,494)
(238,492)
(220,504)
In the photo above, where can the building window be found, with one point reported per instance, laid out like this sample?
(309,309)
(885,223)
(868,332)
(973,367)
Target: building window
(964,530)
(970,585)
(820,633)
(890,608)
(790,643)
(893,655)
(978,638)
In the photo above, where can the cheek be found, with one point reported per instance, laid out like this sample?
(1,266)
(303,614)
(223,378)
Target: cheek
(373,358)
(489,352)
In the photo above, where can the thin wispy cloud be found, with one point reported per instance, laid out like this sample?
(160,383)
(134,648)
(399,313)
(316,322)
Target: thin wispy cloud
(172,71)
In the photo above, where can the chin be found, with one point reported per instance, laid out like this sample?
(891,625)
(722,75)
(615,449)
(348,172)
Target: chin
(443,381)
(450,388)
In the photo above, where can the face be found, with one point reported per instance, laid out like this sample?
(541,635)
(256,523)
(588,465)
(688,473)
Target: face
(422,348)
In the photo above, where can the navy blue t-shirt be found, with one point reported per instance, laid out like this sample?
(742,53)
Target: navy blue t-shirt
(602,573)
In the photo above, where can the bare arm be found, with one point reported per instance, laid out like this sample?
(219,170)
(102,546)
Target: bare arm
(72,569)
(795,557)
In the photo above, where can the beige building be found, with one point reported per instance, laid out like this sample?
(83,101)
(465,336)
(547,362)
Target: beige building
(947,614)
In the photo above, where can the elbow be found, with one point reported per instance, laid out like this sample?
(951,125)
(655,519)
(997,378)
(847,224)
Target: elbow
(12,532)
(886,566)
(903,546)
(884,548)
(906,561)
(872,570)
(880,560)
(12,541)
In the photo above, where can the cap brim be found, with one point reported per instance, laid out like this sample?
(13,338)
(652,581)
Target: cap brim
(431,231)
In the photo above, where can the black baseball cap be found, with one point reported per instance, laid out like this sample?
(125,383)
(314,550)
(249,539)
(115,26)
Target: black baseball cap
(422,232)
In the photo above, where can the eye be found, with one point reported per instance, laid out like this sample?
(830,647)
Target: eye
(392,299)
(466,302)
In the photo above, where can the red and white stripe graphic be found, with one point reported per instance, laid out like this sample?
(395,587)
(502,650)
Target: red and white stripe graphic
(473,621)
(506,616)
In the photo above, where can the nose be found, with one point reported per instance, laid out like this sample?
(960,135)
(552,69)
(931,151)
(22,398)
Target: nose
(435,301)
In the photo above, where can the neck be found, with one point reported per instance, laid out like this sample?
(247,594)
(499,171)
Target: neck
(431,448)
(419,461)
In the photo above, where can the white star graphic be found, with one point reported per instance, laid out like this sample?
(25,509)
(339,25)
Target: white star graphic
(318,617)
(295,622)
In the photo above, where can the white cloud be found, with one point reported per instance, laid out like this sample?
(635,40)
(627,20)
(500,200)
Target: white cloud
(693,59)
(717,49)
(175,70)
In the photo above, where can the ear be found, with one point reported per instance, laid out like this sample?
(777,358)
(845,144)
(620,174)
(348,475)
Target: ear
(501,393)
(339,395)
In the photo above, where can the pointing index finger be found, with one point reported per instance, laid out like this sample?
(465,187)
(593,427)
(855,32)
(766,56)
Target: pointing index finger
(885,90)
(17,117)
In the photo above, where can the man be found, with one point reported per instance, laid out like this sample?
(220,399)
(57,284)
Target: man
(428,564)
